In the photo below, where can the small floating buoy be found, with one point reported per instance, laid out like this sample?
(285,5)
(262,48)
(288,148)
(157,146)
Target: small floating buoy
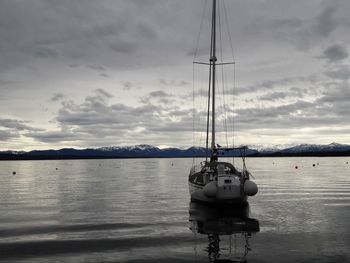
(14,172)
(318,164)
(296,167)
(172,164)
(313,165)
(347,162)
(56,168)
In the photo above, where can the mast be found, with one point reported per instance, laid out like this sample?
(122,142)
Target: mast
(212,62)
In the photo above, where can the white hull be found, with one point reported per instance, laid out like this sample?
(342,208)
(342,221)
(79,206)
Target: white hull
(217,183)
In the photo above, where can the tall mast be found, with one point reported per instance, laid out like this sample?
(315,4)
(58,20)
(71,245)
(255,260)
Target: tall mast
(212,61)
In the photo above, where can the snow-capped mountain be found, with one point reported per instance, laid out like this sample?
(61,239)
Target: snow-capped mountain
(309,148)
(149,151)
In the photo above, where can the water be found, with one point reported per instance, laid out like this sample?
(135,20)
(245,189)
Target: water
(139,211)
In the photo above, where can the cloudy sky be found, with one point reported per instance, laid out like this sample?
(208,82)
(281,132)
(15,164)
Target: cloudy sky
(84,73)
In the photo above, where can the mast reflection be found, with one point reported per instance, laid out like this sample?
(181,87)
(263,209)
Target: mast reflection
(228,229)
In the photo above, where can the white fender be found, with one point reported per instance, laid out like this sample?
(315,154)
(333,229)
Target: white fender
(210,189)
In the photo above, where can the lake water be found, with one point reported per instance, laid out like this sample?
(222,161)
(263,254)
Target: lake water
(138,210)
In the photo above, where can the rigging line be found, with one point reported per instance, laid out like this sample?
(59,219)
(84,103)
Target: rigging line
(201,118)
(223,113)
(194,58)
(234,70)
(220,108)
(222,76)
(228,32)
(200,30)
(234,78)
(232,104)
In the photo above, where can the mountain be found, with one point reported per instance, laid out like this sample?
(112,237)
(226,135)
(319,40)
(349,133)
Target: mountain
(149,151)
(332,149)
(137,151)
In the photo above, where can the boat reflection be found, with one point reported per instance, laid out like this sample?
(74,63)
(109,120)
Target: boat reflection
(228,229)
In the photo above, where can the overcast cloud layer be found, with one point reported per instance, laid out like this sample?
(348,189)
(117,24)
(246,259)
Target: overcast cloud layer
(84,73)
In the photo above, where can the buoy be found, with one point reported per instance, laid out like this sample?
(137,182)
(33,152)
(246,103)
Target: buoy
(56,168)
(296,167)
(13,172)
(314,165)
(250,188)
(210,189)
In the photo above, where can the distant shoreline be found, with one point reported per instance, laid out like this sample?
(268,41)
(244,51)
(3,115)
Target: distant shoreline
(11,157)
(149,151)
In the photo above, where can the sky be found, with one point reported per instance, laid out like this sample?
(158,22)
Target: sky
(84,73)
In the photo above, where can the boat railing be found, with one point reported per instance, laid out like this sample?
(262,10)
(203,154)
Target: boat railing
(196,168)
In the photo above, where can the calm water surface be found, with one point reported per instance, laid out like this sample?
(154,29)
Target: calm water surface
(140,211)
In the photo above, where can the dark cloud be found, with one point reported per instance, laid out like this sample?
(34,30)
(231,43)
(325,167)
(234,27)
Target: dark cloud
(6,135)
(304,28)
(123,46)
(73,65)
(127,85)
(45,52)
(326,20)
(96,118)
(281,95)
(103,93)
(104,75)
(97,67)
(266,85)
(12,128)
(58,97)
(178,83)
(329,110)
(159,94)
(54,136)
(274,96)
(337,96)
(6,82)
(335,53)
(197,93)
(340,72)
(106,33)
(18,125)
(95,112)
(147,31)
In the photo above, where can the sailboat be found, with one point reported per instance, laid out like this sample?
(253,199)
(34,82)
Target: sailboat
(214,181)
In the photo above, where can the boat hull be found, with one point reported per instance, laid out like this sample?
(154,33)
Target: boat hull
(198,195)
